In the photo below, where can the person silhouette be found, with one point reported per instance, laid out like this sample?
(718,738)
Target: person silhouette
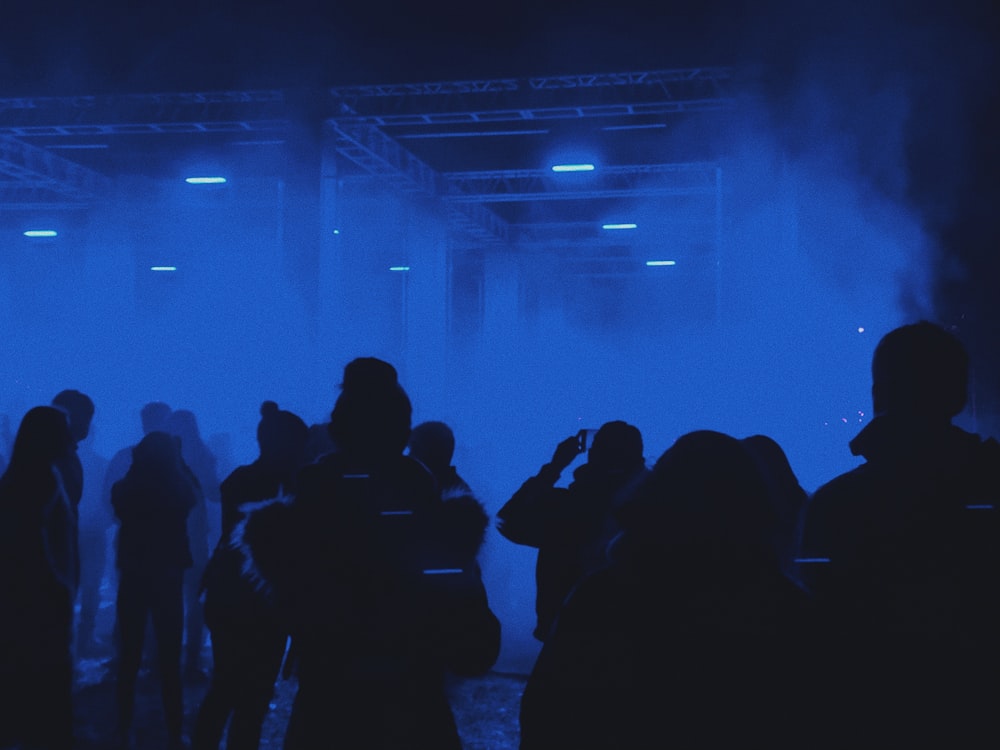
(571,527)
(38,577)
(248,638)
(152,503)
(788,498)
(79,409)
(433,445)
(183,424)
(691,633)
(153,417)
(377,580)
(904,556)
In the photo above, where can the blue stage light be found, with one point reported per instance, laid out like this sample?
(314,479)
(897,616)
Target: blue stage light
(573,168)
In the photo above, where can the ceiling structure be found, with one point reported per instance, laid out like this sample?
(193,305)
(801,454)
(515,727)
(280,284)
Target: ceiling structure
(484,148)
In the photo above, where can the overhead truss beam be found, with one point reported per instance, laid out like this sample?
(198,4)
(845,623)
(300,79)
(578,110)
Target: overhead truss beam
(694,178)
(39,169)
(538,98)
(381,156)
(209,112)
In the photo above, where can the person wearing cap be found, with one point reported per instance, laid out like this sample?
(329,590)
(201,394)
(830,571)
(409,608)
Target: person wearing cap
(572,526)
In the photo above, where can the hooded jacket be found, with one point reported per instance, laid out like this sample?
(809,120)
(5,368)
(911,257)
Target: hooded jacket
(375,576)
(909,596)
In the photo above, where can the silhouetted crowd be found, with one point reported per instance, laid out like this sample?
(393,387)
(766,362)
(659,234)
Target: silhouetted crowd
(707,601)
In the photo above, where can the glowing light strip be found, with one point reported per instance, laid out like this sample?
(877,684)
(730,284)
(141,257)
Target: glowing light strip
(163,268)
(399,268)
(41,233)
(979,507)
(812,559)
(396,513)
(661,262)
(573,168)
(618,226)
(205,180)
(441,571)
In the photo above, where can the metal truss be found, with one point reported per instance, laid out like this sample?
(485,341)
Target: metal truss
(558,233)
(657,77)
(539,98)
(199,112)
(381,156)
(641,180)
(24,198)
(38,169)
(378,154)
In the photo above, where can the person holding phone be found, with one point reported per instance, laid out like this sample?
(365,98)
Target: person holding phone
(572,526)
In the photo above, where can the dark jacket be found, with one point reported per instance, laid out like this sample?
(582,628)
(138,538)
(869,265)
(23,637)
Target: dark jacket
(232,601)
(153,509)
(910,593)
(663,650)
(377,580)
(571,527)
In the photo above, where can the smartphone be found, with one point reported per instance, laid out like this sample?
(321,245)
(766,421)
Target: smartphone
(586,438)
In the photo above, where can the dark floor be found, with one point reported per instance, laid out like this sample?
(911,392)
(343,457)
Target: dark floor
(485,709)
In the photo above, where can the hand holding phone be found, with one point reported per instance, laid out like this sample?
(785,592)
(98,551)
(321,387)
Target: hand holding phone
(586,439)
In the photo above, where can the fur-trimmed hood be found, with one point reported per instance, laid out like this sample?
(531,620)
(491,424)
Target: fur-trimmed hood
(283,540)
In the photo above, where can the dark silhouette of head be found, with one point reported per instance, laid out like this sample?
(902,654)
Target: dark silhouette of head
(922,370)
(154,416)
(788,498)
(433,444)
(281,435)
(706,493)
(184,424)
(372,415)
(43,438)
(79,410)
(617,448)
(156,455)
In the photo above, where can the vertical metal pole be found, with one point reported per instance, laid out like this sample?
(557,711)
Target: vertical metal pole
(718,247)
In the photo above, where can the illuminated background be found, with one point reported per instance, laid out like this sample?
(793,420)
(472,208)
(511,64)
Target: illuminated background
(772,189)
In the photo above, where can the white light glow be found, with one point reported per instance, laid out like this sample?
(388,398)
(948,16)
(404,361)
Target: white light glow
(573,168)
(205,180)
(661,262)
(861,330)
(618,226)
(163,268)
(41,233)
(399,268)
